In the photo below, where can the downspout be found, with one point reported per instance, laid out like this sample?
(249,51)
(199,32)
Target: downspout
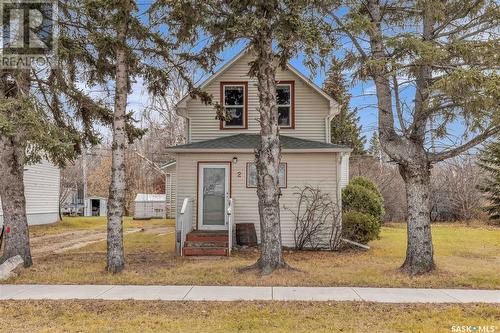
(334,110)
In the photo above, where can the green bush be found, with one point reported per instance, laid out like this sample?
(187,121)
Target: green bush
(367,183)
(357,198)
(360,227)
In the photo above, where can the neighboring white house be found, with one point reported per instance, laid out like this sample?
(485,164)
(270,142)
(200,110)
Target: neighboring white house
(96,206)
(41,188)
(148,206)
(216,167)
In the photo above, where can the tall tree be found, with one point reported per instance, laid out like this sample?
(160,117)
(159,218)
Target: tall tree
(14,100)
(345,126)
(275,31)
(43,115)
(445,55)
(120,43)
(116,199)
(489,161)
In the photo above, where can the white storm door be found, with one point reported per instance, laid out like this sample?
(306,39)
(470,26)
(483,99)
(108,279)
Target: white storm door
(213,195)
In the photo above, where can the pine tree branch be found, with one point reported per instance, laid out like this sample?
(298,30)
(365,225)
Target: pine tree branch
(479,31)
(477,21)
(350,35)
(423,78)
(452,18)
(441,156)
(398,104)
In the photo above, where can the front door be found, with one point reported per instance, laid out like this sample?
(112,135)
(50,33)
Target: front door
(213,195)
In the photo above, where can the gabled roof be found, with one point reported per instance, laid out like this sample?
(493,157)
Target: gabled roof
(249,142)
(333,103)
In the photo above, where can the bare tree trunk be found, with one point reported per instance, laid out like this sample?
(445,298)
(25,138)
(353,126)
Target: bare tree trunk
(16,237)
(268,157)
(116,200)
(419,251)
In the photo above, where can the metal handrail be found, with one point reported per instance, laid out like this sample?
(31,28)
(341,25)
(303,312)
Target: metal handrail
(184,205)
(185,222)
(230,213)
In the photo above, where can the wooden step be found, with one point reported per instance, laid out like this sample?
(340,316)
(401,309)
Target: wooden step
(205,243)
(205,251)
(207,237)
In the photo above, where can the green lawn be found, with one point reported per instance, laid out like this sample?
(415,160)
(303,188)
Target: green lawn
(466,257)
(155,316)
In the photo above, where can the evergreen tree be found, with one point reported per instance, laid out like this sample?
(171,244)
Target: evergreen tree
(116,46)
(275,31)
(446,53)
(43,115)
(345,128)
(374,148)
(489,161)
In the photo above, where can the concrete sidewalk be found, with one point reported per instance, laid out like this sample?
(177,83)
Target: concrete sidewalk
(233,293)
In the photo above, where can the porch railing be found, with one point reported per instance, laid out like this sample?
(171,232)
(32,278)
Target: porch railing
(230,213)
(184,223)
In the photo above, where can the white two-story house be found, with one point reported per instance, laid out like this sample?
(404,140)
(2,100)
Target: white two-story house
(215,170)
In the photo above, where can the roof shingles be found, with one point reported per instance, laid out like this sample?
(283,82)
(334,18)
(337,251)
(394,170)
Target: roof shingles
(251,141)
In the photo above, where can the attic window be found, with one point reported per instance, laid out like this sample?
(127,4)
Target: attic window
(234,100)
(285,100)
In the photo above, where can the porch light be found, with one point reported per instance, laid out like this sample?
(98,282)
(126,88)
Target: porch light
(235,160)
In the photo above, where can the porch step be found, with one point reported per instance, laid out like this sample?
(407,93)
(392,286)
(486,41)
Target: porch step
(205,251)
(207,236)
(206,243)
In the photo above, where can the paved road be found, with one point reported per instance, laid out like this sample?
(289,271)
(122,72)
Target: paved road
(233,293)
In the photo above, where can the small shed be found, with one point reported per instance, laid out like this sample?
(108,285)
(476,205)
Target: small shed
(96,206)
(149,206)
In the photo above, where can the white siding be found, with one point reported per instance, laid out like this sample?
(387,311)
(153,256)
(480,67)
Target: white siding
(310,107)
(171,191)
(41,187)
(315,169)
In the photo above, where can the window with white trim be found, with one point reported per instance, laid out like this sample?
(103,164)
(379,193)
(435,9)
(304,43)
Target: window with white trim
(234,105)
(252,175)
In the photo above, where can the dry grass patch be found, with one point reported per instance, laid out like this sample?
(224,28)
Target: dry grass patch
(97,223)
(144,316)
(466,258)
